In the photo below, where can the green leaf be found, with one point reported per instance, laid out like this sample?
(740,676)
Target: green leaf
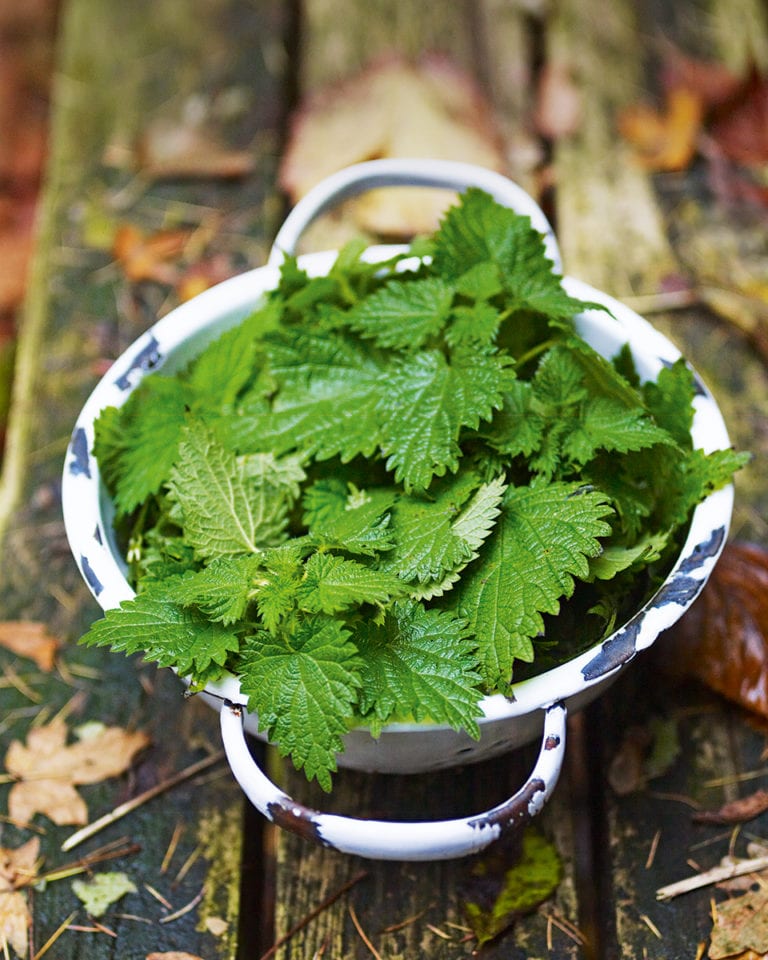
(327,397)
(220,509)
(303,687)
(435,536)
(102,890)
(543,539)
(221,590)
(699,475)
(358,522)
(603,424)
(428,401)
(518,428)
(669,400)
(137,446)
(403,314)
(332,584)
(616,558)
(479,230)
(419,665)
(506,884)
(478,324)
(167,633)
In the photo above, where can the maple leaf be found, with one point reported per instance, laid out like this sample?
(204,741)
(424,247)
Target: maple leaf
(18,866)
(47,769)
(30,639)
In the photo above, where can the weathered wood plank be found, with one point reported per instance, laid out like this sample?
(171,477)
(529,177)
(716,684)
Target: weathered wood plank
(122,67)
(608,220)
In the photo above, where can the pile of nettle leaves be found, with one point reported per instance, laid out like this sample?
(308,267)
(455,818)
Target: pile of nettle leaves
(388,490)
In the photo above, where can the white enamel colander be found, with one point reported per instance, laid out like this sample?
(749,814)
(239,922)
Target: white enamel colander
(537,707)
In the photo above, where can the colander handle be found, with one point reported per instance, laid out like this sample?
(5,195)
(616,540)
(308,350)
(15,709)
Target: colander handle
(391,840)
(448,174)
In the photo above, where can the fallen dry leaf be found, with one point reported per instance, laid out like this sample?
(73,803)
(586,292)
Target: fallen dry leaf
(392,109)
(664,140)
(741,924)
(737,811)
(17,866)
(723,639)
(48,769)
(740,126)
(30,639)
(143,256)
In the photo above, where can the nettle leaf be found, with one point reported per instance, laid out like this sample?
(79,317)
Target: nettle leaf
(669,400)
(543,539)
(220,509)
(222,590)
(419,665)
(303,687)
(616,558)
(226,365)
(603,424)
(480,230)
(698,475)
(478,324)
(518,427)
(427,403)
(332,584)
(167,633)
(359,524)
(137,445)
(436,535)
(403,314)
(326,401)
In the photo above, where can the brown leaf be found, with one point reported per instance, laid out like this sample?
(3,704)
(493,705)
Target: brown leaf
(737,811)
(48,768)
(149,256)
(17,867)
(723,639)
(392,109)
(741,924)
(664,140)
(559,104)
(740,126)
(19,864)
(27,638)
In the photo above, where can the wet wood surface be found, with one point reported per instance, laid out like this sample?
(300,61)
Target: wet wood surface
(128,73)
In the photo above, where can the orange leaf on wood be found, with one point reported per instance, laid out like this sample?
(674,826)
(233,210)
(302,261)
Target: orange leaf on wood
(723,639)
(27,638)
(149,256)
(664,140)
(392,109)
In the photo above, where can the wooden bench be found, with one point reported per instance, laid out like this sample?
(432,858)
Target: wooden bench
(213,879)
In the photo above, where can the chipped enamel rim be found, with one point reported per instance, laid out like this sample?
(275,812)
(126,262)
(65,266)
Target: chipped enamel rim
(179,336)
